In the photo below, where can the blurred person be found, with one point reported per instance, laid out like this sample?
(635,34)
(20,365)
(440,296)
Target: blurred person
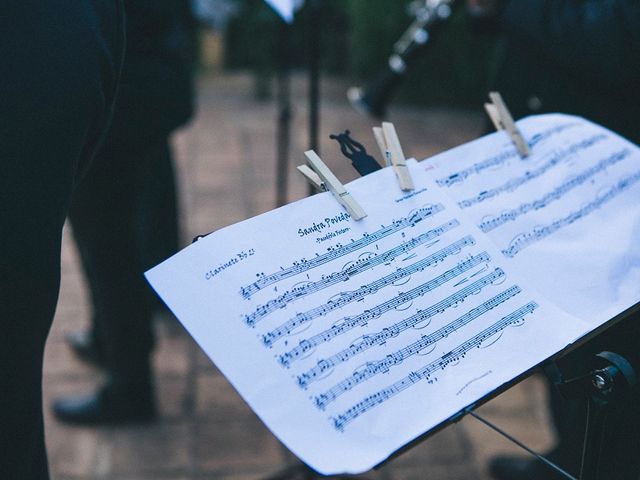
(124,215)
(60,63)
(572,56)
(579,57)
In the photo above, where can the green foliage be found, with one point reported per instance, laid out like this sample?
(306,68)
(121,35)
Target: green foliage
(452,69)
(357,39)
(375,27)
(254,37)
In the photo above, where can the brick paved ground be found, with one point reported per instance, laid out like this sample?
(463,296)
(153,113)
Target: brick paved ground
(226,163)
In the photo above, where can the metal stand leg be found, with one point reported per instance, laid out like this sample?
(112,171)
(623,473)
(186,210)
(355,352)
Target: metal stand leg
(315,19)
(284,114)
(606,387)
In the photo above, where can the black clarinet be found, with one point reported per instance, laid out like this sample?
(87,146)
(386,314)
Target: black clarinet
(373,99)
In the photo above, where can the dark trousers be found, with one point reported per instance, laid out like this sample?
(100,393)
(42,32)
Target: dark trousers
(124,221)
(60,62)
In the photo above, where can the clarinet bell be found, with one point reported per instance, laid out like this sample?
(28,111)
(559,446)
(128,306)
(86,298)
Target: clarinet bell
(373,100)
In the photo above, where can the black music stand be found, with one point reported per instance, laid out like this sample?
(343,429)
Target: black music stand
(284,96)
(284,112)
(607,386)
(314,54)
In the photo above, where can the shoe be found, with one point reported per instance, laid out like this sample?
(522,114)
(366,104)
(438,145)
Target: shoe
(86,348)
(109,405)
(519,468)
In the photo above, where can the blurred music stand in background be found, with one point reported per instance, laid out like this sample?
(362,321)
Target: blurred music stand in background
(286,9)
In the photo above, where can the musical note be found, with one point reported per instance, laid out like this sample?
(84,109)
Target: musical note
(301,318)
(429,371)
(493,222)
(348,297)
(531,175)
(346,274)
(350,323)
(375,367)
(523,240)
(410,220)
(500,158)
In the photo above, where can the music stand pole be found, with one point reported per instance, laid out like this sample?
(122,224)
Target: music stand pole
(314,51)
(298,469)
(284,112)
(610,386)
(606,387)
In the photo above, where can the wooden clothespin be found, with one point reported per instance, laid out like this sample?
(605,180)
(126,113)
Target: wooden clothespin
(312,177)
(389,144)
(382,145)
(323,179)
(502,120)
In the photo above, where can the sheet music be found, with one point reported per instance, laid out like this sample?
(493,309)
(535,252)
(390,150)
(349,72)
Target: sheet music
(350,339)
(567,217)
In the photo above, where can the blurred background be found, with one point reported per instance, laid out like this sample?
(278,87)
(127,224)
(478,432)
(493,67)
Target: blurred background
(249,114)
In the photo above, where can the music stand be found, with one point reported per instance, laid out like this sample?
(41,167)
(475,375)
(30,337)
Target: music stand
(284,112)
(606,386)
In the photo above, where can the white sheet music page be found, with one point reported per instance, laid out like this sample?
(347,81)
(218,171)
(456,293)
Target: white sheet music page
(350,339)
(567,217)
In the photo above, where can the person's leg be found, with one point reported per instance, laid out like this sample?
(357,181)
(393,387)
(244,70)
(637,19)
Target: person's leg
(146,189)
(59,62)
(124,220)
(103,217)
(157,224)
